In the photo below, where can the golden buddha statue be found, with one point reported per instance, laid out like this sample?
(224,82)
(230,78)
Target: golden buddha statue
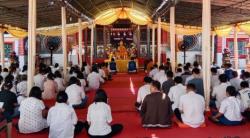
(122,51)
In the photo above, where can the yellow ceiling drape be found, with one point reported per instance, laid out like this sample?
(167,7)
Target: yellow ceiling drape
(14,31)
(111,15)
(223,30)
(56,30)
(182,30)
(245,27)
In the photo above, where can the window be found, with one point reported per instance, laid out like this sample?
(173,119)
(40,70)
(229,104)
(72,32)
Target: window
(242,42)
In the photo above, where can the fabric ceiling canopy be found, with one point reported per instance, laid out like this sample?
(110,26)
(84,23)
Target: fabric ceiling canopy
(182,30)
(56,30)
(110,16)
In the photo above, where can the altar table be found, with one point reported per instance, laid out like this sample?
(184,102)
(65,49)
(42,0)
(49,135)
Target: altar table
(122,65)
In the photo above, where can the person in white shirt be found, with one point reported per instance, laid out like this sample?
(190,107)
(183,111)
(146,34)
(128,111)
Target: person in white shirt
(214,78)
(159,74)
(55,68)
(77,98)
(101,71)
(94,79)
(175,93)
(178,72)
(230,109)
(39,79)
(99,118)
(80,76)
(153,71)
(22,89)
(143,92)
(62,119)
(235,81)
(192,107)
(59,80)
(32,113)
(245,98)
(86,68)
(219,92)
(5,73)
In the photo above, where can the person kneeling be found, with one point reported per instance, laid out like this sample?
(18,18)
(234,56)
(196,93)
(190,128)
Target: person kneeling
(230,109)
(99,118)
(132,67)
(156,108)
(191,108)
(62,119)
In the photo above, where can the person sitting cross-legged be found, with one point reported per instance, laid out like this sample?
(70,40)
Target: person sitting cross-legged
(191,108)
(230,109)
(156,108)
(175,94)
(76,94)
(62,119)
(245,98)
(99,118)
(143,92)
(132,66)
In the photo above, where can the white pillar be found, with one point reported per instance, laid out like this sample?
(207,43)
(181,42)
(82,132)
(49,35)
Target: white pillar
(64,42)
(236,54)
(159,41)
(92,45)
(213,40)
(2,48)
(206,51)
(31,43)
(172,37)
(80,42)
(153,43)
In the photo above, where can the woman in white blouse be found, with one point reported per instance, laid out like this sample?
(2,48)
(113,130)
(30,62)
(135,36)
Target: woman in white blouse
(94,79)
(230,109)
(76,94)
(59,80)
(99,118)
(62,119)
(32,113)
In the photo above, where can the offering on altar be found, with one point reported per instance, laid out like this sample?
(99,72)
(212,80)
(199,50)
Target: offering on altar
(122,51)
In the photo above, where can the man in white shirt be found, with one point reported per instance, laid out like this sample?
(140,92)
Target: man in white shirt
(245,98)
(153,71)
(219,92)
(214,78)
(235,81)
(159,74)
(39,79)
(192,107)
(62,119)
(230,109)
(175,93)
(94,79)
(143,92)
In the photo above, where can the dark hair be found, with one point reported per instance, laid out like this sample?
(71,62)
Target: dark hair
(196,71)
(235,74)
(5,70)
(186,68)
(58,74)
(231,91)
(101,96)
(156,84)
(147,79)
(80,75)
(9,78)
(61,97)
(214,70)
(50,76)
(191,86)
(188,64)
(155,66)
(1,79)
(179,69)
(94,69)
(7,86)
(223,78)
(74,80)
(36,92)
(246,74)
(196,64)
(179,65)
(178,79)
(161,67)
(24,77)
(25,67)
(170,74)
(244,84)
(112,59)
(56,65)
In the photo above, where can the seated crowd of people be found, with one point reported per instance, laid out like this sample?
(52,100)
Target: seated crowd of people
(67,94)
(178,96)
